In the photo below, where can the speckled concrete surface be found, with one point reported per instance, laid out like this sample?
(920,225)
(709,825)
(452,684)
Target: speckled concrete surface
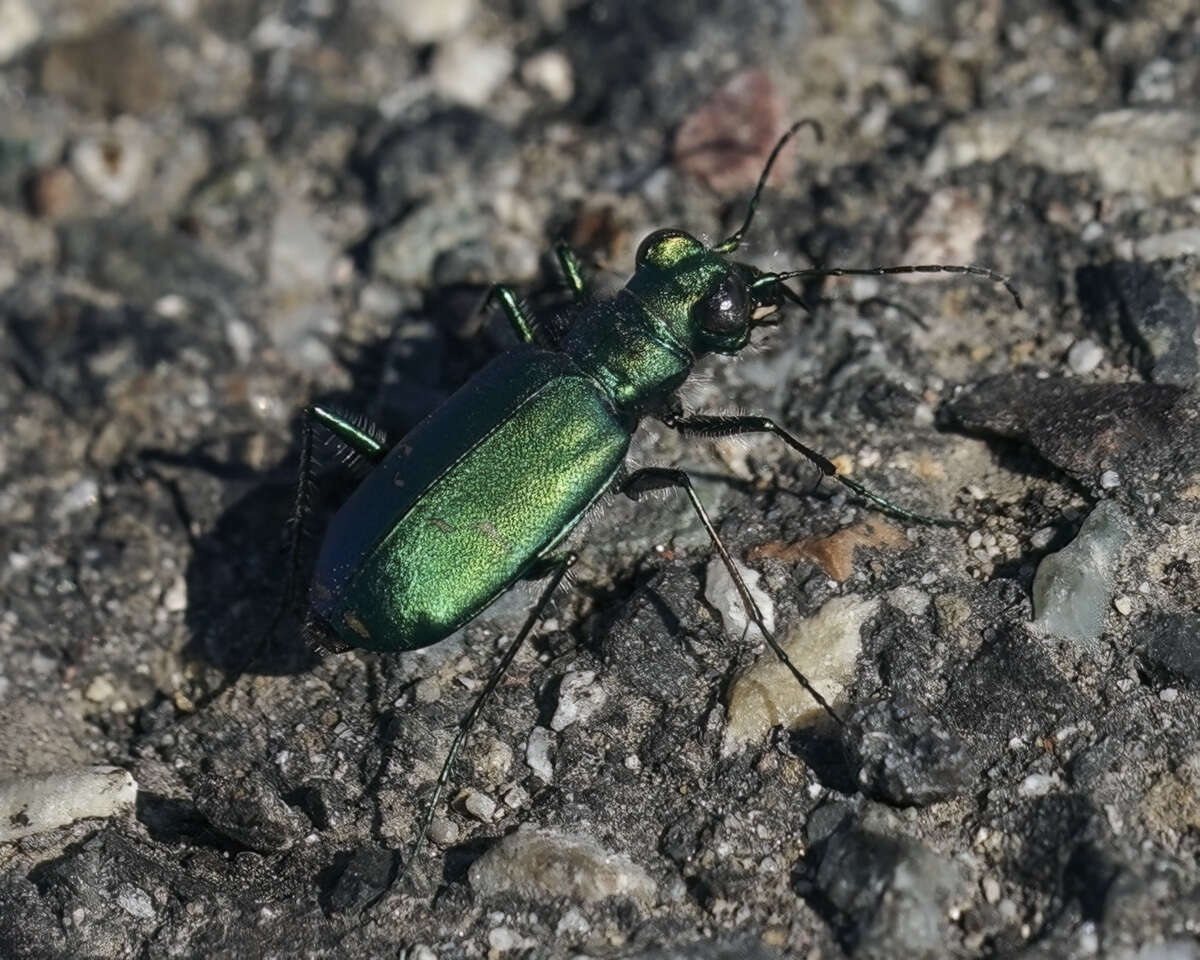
(212,212)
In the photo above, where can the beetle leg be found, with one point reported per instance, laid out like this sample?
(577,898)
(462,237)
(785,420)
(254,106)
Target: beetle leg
(728,426)
(572,268)
(362,443)
(517,313)
(352,431)
(557,567)
(663,478)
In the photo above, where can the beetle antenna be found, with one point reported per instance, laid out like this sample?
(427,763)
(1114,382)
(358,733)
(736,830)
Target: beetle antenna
(770,279)
(734,240)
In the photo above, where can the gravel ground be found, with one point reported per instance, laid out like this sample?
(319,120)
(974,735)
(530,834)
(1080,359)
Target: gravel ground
(214,211)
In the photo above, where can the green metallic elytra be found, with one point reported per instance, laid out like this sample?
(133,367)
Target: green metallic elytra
(468,502)
(483,492)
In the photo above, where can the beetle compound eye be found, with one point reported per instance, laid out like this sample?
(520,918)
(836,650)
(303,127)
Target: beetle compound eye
(664,248)
(724,309)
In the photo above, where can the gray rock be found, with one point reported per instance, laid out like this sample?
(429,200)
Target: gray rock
(886,896)
(1173,644)
(1136,429)
(907,757)
(249,810)
(541,863)
(365,876)
(1073,587)
(1138,302)
(41,802)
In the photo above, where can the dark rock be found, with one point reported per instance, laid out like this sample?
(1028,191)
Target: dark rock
(1085,429)
(907,757)
(1135,301)
(886,401)
(249,810)
(887,896)
(1173,644)
(365,876)
(413,162)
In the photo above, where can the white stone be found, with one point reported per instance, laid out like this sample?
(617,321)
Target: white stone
(824,648)
(423,21)
(551,71)
(1084,356)
(99,690)
(1038,784)
(538,864)
(468,70)
(579,699)
(114,165)
(19,27)
(479,805)
(42,802)
(722,593)
(537,753)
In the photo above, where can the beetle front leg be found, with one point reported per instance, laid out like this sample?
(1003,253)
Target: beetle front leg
(665,478)
(727,426)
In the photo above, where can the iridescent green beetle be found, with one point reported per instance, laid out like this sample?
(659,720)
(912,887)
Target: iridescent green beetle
(485,490)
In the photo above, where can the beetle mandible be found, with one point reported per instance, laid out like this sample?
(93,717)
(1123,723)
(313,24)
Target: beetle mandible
(483,492)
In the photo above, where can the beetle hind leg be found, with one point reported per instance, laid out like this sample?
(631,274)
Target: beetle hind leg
(664,478)
(557,567)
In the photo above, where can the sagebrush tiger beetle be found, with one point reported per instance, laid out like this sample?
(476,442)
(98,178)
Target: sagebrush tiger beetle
(484,491)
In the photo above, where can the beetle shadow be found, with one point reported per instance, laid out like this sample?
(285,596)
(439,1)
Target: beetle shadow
(237,617)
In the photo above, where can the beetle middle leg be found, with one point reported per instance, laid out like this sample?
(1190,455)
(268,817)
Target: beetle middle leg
(557,567)
(572,269)
(361,440)
(664,478)
(728,426)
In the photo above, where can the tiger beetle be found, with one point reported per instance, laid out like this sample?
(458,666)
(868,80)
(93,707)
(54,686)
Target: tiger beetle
(483,492)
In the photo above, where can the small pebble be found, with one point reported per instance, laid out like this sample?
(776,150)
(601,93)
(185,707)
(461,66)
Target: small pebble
(975,540)
(579,698)
(467,70)
(423,22)
(19,27)
(443,831)
(550,71)
(99,690)
(991,890)
(722,593)
(175,598)
(537,753)
(478,804)
(1168,695)
(427,690)
(1084,356)
(1124,606)
(1040,539)
(136,902)
(1110,479)
(1038,784)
